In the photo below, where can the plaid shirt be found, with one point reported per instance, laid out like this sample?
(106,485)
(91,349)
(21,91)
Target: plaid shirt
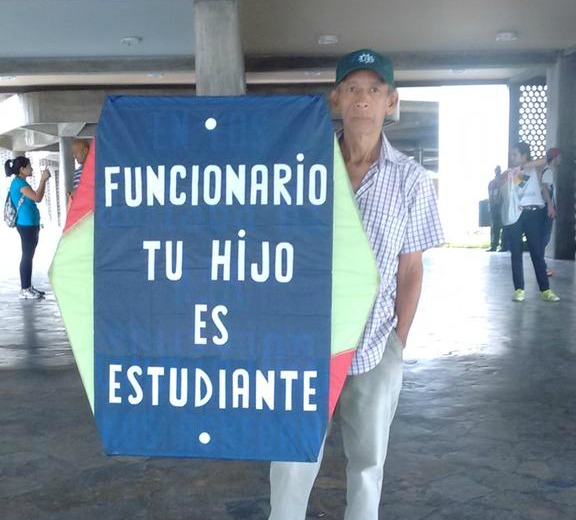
(397,203)
(77,176)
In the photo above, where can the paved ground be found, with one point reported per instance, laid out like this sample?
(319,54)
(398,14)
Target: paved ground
(486,427)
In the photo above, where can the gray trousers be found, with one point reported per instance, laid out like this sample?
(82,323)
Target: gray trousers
(366,409)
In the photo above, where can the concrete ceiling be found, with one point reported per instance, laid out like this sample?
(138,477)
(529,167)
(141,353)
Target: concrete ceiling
(93,28)
(63,56)
(78,42)
(293,27)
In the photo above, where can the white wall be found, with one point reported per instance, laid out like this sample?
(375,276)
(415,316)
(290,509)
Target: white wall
(473,139)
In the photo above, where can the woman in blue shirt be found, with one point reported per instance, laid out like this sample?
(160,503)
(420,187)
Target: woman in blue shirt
(28,220)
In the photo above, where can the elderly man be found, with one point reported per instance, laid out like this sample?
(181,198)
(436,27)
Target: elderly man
(397,203)
(80,150)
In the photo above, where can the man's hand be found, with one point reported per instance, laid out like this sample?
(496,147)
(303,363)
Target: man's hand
(551,211)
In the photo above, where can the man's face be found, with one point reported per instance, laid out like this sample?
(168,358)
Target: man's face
(363,100)
(80,152)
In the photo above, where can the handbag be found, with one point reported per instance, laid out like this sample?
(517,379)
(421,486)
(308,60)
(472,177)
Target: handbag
(11,211)
(511,209)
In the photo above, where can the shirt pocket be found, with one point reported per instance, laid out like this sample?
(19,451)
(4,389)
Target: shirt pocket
(386,234)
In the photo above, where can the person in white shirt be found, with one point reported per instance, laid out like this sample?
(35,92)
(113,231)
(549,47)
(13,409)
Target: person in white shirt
(549,194)
(530,222)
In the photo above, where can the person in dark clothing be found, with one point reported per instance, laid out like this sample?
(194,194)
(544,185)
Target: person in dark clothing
(495,200)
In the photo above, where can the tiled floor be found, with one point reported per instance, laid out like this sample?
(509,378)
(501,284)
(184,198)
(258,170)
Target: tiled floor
(486,427)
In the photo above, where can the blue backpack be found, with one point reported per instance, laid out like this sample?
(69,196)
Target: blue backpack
(11,211)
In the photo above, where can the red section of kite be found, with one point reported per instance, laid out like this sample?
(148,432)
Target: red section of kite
(83,202)
(339,365)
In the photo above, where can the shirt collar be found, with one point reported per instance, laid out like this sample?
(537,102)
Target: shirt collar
(387,152)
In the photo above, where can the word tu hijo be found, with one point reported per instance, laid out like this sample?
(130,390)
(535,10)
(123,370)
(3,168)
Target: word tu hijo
(276,261)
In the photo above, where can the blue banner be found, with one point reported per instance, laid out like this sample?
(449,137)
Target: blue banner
(212,276)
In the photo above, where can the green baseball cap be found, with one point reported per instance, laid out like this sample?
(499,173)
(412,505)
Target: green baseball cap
(365,59)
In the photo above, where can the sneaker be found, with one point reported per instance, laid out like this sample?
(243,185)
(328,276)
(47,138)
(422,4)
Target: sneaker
(549,296)
(29,294)
(518,295)
(41,293)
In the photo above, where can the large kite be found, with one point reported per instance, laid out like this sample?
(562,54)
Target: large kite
(214,276)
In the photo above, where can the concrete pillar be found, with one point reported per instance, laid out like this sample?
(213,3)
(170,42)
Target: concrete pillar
(65,170)
(57,196)
(561,132)
(513,134)
(219,58)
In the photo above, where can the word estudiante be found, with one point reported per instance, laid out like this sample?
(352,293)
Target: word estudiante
(231,389)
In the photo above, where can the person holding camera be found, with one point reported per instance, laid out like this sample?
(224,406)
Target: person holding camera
(25,199)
